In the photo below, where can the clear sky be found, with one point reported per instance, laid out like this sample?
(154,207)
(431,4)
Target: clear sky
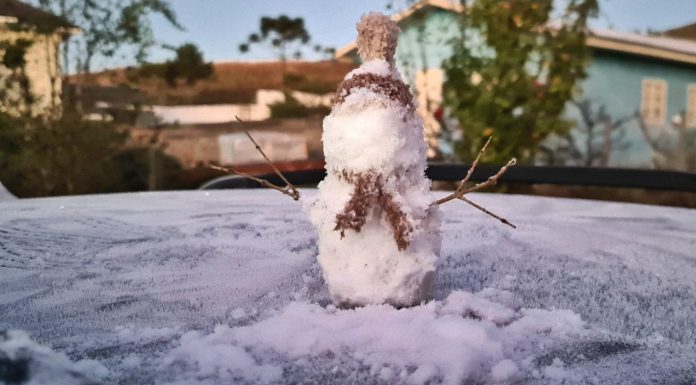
(219,26)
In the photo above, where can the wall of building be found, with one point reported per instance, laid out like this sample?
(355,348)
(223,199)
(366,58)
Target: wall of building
(221,113)
(201,144)
(615,81)
(42,67)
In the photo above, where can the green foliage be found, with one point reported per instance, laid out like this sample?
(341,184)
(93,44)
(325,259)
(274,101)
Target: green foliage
(13,53)
(292,108)
(302,83)
(69,156)
(15,87)
(73,156)
(511,74)
(108,26)
(134,168)
(283,34)
(188,65)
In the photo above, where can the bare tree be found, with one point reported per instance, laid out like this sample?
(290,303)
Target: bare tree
(592,142)
(673,147)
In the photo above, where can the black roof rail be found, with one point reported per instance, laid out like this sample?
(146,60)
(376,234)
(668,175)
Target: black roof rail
(558,175)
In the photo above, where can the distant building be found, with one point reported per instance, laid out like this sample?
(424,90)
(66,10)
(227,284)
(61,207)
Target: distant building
(684,32)
(652,75)
(43,33)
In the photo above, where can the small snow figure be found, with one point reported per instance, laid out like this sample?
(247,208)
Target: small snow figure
(378,223)
(378,229)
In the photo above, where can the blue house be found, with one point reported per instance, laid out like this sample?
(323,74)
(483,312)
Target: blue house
(640,91)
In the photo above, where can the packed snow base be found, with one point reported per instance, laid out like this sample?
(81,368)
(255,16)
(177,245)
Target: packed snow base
(223,287)
(463,338)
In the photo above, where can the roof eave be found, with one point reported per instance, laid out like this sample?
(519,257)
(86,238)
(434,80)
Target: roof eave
(597,42)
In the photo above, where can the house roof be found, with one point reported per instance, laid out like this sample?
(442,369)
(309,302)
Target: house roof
(655,46)
(684,32)
(13,11)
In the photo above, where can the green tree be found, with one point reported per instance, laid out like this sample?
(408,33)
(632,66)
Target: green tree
(67,156)
(188,65)
(107,26)
(512,72)
(283,33)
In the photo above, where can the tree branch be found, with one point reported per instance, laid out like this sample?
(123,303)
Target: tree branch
(289,186)
(501,219)
(461,190)
(492,181)
(231,170)
(289,189)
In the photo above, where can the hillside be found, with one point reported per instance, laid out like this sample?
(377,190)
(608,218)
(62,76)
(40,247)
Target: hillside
(232,82)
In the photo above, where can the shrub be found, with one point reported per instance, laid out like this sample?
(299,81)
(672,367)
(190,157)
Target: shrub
(291,108)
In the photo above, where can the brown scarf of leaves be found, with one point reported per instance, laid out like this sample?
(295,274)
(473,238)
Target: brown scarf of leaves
(394,89)
(370,194)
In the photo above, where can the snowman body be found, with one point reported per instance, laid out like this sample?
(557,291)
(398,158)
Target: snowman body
(379,236)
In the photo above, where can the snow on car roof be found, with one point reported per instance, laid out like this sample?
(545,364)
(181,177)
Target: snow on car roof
(210,287)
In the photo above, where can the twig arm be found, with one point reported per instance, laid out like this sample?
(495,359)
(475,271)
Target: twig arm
(294,194)
(492,181)
(289,185)
(501,219)
(460,188)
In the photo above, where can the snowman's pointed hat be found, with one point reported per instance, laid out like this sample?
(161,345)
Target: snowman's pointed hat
(377,35)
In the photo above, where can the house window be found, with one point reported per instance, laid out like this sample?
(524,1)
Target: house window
(691,106)
(653,103)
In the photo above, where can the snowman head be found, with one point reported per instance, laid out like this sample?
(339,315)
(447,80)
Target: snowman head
(377,36)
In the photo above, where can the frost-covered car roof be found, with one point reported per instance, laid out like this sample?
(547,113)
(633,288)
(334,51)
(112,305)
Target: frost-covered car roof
(213,287)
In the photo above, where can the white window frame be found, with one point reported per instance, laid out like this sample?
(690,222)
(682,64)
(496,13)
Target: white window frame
(690,110)
(653,102)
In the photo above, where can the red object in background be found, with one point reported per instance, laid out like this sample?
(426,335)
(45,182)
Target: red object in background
(439,114)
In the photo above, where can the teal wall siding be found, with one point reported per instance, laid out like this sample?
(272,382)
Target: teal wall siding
(424,41)
(615,81)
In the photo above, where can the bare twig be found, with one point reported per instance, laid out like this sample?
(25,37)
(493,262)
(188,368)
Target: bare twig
(461,190)
(501,219)
(492,181)
(294,194)
(289,186)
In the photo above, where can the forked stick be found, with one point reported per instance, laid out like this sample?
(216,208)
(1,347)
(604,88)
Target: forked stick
(461,190)
(289,185)
(492,181)
(285,190)
(289,188)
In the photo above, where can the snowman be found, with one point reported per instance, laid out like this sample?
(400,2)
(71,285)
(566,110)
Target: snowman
(377,221)
(379,236)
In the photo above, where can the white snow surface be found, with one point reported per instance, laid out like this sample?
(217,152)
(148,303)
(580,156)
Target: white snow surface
(223,287)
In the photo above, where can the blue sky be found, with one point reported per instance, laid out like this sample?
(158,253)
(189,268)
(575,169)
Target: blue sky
(218,26)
